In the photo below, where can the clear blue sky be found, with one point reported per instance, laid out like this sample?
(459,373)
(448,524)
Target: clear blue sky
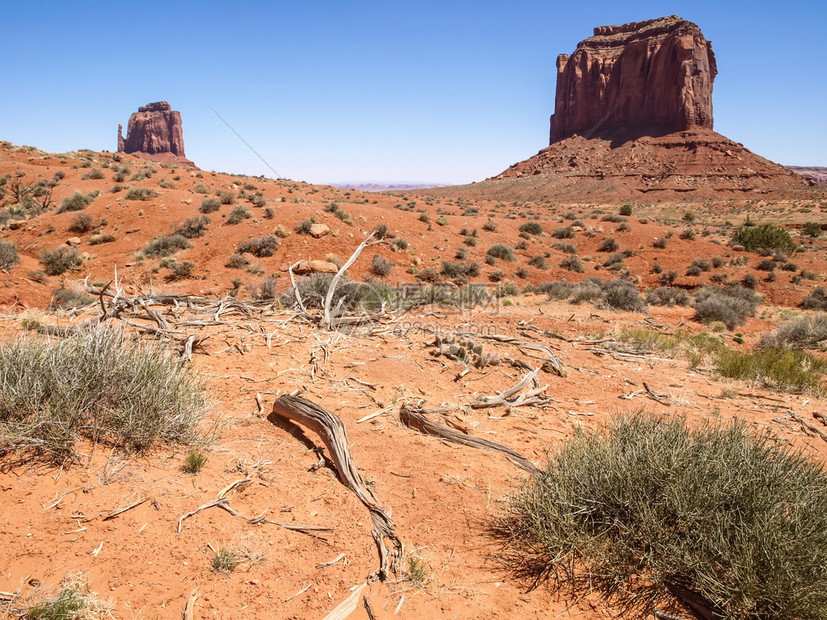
(378,91)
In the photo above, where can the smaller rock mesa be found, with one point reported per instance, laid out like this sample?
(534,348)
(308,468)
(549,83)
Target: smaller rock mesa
(155,133)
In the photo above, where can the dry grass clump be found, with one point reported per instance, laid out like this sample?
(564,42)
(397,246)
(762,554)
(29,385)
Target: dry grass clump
(784,369)
(649,509)
(668,296)
(164,245)
(98,384)
(8,255)
(74,601)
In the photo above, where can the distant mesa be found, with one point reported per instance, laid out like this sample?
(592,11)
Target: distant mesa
(633,116)
(816,173)
(155,133)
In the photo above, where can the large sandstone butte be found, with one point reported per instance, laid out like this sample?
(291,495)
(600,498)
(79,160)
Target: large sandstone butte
(155,133)
(650,77)
(633,118)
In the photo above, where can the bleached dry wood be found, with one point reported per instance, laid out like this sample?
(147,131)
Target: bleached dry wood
(332,431)
(347,606)
(223,503)
(413,418)
(527,398)
(553,363)
(189,606)
(123,509)
(326,321)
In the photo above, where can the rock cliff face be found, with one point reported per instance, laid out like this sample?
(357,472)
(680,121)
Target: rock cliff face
(645,78)
(155,132)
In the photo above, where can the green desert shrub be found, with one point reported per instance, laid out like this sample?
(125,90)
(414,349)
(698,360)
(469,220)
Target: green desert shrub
(573,263)
(225,196)
(193,227)
(609,245)
(815,300)
(98,384)
(165,245)
(380,266)
(303,227)
(668,296)
(8,255)
(622,295)
(811,229)
(563,232)
(531,228)
(94,173)
(66,298)
(730,305)
(501,251)
(140,193)
(239,214)
(59,260)
(625,210)
(649,509)
(780,368)
(210,205)
(260,247)
(76,202)
(81,223)
(538,261)
(766,236)
(179,271)
(236,261)
(566,248)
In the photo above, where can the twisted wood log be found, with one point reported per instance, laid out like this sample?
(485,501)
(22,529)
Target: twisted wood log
(413,418)
(332,431)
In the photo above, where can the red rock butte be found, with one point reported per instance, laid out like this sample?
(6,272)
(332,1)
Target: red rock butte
(155,132)
(633,117)
(652,77)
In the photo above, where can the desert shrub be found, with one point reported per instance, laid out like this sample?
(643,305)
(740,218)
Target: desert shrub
(76,202)
(8,255)
(194,462)
(811,229)
(400,244)
(66,298)
(573,263)
(531,228)
(660,243)
(765,265)
(590,290)
(98,384)
(260,247)
(164,245)
(749,281)
(496,276)
(784,369)
(687,234)
(268,213)
(380,266)
(236,261)
(102,238)
(788,266)
(501,251)
(59,260)
(623,295)
(563,232)
(460,270)
(225,560)
(611,217)
(694,270)
(609,245)
(649,508)
(81,223)
(490,226)
(764,236)
(625,210)
(566,248)
(303,227)
(140,193)
(508,288)
(74,601)
(804,332)
(470,241)
(179,271)
(730,305)
(116,188)
(266,290)
(718,262)
(816,300)
(461,253)
(209,205)
(538,261)
(702,264)
(200,189)
(239,214)
(193,227)
(668,296)
(226,197)
(557,290)
(257,200)
(94,173)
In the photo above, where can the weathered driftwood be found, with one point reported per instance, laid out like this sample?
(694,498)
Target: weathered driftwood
(505,399)
(552,364)
(413,417)
(332,431)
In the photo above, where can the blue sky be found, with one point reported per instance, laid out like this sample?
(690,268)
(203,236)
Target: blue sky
(328,91)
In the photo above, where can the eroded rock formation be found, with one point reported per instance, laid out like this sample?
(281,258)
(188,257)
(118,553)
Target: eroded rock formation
(155,132)
(646,78)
